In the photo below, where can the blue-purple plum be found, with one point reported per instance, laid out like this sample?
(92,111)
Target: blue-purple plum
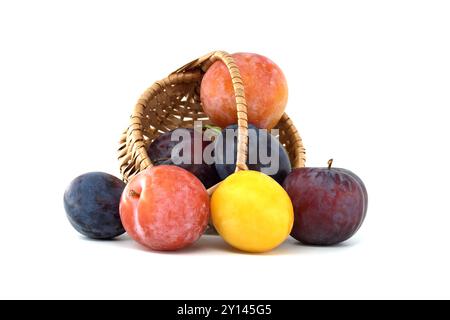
(92,203)
(274,164)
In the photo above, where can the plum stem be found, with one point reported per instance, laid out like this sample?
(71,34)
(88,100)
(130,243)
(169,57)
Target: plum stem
(133,194)
(330,162)
(214,128)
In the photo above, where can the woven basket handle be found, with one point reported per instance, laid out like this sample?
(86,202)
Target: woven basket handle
(241,106)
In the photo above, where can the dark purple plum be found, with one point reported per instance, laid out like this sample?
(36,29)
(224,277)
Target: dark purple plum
(330,204)
(273,162)
(92,205)
(160,153)
(366,196)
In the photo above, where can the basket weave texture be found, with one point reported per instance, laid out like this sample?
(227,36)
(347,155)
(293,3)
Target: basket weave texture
(174,102)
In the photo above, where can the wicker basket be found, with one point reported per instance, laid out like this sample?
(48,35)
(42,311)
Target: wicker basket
(174,102)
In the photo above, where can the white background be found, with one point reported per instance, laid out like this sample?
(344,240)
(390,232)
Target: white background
(369,86)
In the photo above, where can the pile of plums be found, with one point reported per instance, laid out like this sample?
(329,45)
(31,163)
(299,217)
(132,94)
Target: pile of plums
(167,206)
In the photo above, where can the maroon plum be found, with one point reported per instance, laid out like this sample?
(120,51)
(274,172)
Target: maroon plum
(160,153)
(330,204)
